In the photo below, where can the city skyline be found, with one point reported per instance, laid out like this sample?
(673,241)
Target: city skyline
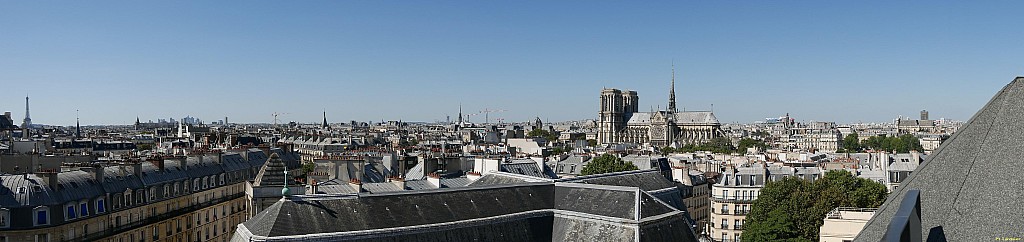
(868,62)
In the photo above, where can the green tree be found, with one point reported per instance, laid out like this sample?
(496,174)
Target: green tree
(144,147)
(308,167)
(750,143)
(851,143)
(792,209)
(541,133)
(606,164)
(557,150)
(592,142)
(667,150)
(910,143)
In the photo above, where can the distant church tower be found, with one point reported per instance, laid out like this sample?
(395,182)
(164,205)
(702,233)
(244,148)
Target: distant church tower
(672,92)
(616,107)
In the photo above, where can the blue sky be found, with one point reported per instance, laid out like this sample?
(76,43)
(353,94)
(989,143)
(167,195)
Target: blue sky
(864,61)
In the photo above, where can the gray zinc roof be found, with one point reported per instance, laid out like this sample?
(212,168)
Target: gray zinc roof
(970,186)
(647,180)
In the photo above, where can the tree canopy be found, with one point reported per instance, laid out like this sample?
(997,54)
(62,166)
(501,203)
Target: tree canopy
(751,143)
(541,133)
(902,144)
(851,143)
(606,164)
(793,209)
(716,145)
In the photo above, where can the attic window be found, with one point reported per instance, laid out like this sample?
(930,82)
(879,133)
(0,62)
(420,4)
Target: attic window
(21,190)
(37,188)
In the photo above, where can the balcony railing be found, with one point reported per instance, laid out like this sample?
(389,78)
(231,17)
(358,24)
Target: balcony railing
(905,226)
(114,230)
(734,199)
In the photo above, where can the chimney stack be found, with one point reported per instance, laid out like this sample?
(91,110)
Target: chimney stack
(313,186)
(159,163)
(434,179)
(399,182)
(96,171)
(50,177)
(137,169)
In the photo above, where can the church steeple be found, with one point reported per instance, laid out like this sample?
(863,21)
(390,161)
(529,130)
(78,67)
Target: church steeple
(78,126)
(325,125)
(672,91)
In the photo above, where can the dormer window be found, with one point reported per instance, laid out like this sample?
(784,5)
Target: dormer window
(83,208)
(100,206)
(5,218)
(138,199)
(71,212)
(42,216)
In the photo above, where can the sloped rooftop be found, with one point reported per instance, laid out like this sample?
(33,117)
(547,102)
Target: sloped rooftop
(971,186)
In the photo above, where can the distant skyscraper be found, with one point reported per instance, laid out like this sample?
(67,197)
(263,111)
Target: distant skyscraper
(28,120)
(924,114)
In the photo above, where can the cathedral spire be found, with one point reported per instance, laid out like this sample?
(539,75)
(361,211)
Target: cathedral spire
(672,91)
(325,125)
(78,126)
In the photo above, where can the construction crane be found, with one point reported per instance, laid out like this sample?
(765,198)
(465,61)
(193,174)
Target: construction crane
(487,114)
(470,115)
(275,116)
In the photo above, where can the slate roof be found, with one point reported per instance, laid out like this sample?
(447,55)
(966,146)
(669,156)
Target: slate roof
(419,185)
(396,210)
(971,185)
(647,180)
(517,212)
(688,117)
(455,182)
(492,179)
(696,117)
(272,174)
(529,168)
(334,186)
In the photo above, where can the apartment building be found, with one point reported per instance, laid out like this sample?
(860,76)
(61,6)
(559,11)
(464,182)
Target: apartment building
(196,198)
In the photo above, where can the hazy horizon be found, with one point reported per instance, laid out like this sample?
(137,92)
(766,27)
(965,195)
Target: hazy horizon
(845,62)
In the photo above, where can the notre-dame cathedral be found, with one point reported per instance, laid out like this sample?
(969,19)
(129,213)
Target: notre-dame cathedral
(622,122)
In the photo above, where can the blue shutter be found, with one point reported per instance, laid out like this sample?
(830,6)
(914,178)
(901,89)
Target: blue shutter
(41,217)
